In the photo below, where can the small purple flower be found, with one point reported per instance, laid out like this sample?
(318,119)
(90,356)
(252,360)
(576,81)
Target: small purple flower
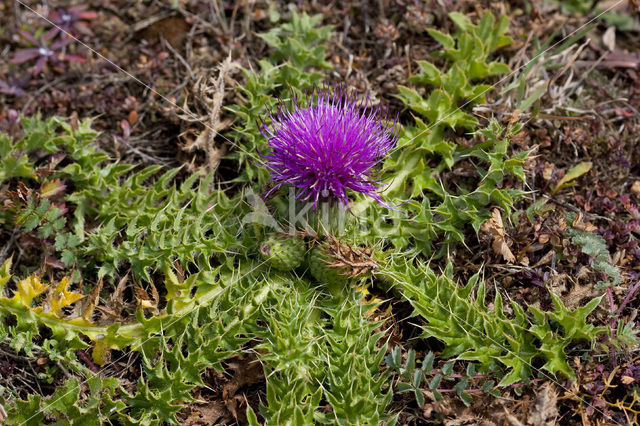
(72,20)
(46,50)
(327,148)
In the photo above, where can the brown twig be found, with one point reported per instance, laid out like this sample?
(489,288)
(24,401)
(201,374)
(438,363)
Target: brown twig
(180,58)
(632,291)
(577,210)
(83,356)
(219,17)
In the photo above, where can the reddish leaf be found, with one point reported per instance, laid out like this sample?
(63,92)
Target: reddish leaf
(52,188)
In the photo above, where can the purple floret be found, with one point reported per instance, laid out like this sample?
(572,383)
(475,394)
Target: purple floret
(328,148)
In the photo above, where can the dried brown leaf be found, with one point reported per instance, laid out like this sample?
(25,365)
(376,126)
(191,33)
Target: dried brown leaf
(463,419)
(154,292)
(511,419)
(547,172)
(609,38)
(495,228)
(115,303)
(545,410)
(91,301)
(588,227)
(144,299)
(627,380)
(246,371)
(211,413)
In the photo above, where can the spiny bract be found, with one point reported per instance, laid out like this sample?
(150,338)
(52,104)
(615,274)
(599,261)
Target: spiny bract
(327,148)
(321,269)
(334,262)
(283,252)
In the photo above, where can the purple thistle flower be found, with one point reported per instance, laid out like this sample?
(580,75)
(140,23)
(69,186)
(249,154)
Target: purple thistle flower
(327,148)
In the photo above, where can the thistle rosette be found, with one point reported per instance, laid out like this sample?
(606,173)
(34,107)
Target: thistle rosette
(328,148)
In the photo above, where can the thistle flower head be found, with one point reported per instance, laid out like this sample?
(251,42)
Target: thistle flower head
(327,148)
